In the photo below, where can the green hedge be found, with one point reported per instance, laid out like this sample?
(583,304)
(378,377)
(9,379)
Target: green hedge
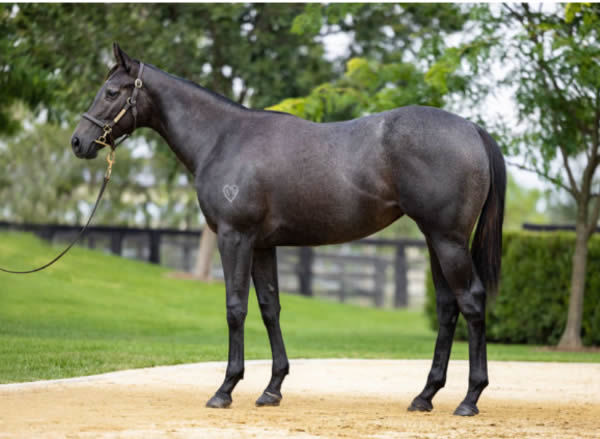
(531,305)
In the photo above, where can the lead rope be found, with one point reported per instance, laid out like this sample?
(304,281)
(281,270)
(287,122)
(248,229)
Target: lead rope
(110,159)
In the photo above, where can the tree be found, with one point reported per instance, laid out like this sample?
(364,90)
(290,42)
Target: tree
(215,45)
(561,208)
(384,32)
(553,54)
(366,87)
(41,180)
(19,81)
(522,205)
(256,54)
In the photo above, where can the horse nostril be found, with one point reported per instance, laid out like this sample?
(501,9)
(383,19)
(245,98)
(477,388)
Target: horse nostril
(75,143)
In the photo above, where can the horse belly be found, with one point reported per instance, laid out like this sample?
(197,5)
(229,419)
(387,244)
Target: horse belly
(337,186)
(328,215)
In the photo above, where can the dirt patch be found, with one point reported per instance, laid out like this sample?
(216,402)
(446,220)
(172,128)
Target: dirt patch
(322,398)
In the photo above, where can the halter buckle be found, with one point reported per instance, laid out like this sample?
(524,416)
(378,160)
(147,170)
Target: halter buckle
(138,83)
(110,158)
(103,139)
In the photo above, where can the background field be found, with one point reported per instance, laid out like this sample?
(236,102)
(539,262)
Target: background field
(93,313)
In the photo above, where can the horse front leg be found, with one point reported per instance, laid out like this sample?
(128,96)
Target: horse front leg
(236,256)
(264,274)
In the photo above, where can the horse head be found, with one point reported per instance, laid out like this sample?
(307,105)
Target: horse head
(117,109)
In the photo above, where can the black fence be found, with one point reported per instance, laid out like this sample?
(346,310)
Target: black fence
(552,227)
(368,271)
(360,271)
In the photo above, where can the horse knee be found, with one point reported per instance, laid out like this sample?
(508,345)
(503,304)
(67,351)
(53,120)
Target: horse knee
(270,313)
(236,316)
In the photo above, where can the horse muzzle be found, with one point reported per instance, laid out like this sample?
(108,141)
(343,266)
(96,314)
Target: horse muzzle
(84,152)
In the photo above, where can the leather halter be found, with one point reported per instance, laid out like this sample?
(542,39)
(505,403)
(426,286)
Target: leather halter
(107,126)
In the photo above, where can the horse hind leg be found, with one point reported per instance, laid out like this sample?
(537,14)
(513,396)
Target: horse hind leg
(447,312)
(460,274)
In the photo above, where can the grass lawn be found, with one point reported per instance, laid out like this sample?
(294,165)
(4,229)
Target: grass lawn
(93,313)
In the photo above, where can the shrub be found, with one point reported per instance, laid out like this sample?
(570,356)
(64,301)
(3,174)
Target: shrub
(532,301)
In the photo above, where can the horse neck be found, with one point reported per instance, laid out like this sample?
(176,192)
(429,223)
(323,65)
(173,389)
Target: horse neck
(190,119)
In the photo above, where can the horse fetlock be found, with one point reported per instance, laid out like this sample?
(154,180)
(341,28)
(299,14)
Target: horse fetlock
(478,382)
(234,374)
(281,370)
(436,383)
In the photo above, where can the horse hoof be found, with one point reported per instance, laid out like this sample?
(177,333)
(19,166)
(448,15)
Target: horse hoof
(466,409)
(420,405)
(268,399)
(219,401)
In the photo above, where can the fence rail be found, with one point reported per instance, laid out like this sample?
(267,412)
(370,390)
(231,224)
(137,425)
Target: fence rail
(369,270)
(551,227)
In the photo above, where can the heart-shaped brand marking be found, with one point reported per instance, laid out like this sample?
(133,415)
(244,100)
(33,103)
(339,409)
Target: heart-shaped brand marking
(230,191)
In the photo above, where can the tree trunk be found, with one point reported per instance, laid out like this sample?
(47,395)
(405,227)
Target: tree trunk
(206,249)
(571,338)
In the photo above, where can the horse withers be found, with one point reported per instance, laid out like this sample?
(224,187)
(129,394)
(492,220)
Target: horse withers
(266,179)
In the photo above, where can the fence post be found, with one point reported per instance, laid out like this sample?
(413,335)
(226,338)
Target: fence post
(378,297)
(154,247)
(187,256)
(46,232)
(401,296)
(116,243)
(305,271)
(343,284)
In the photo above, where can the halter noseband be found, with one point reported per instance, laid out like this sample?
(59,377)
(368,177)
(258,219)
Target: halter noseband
(107,126)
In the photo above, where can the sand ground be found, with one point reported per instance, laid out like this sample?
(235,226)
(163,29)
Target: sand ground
(322,399)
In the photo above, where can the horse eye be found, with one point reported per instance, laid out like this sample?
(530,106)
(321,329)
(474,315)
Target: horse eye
(111,94)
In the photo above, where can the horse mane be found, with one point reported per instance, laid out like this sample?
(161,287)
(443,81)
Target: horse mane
(215,95)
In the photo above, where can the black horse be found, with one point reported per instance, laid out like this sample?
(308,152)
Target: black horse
(266,179)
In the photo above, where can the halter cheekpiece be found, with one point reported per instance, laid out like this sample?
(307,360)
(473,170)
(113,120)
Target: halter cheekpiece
(107,126)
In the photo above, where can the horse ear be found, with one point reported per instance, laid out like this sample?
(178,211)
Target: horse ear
(122,58)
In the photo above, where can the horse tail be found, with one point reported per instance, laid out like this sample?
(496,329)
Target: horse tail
(486,248)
